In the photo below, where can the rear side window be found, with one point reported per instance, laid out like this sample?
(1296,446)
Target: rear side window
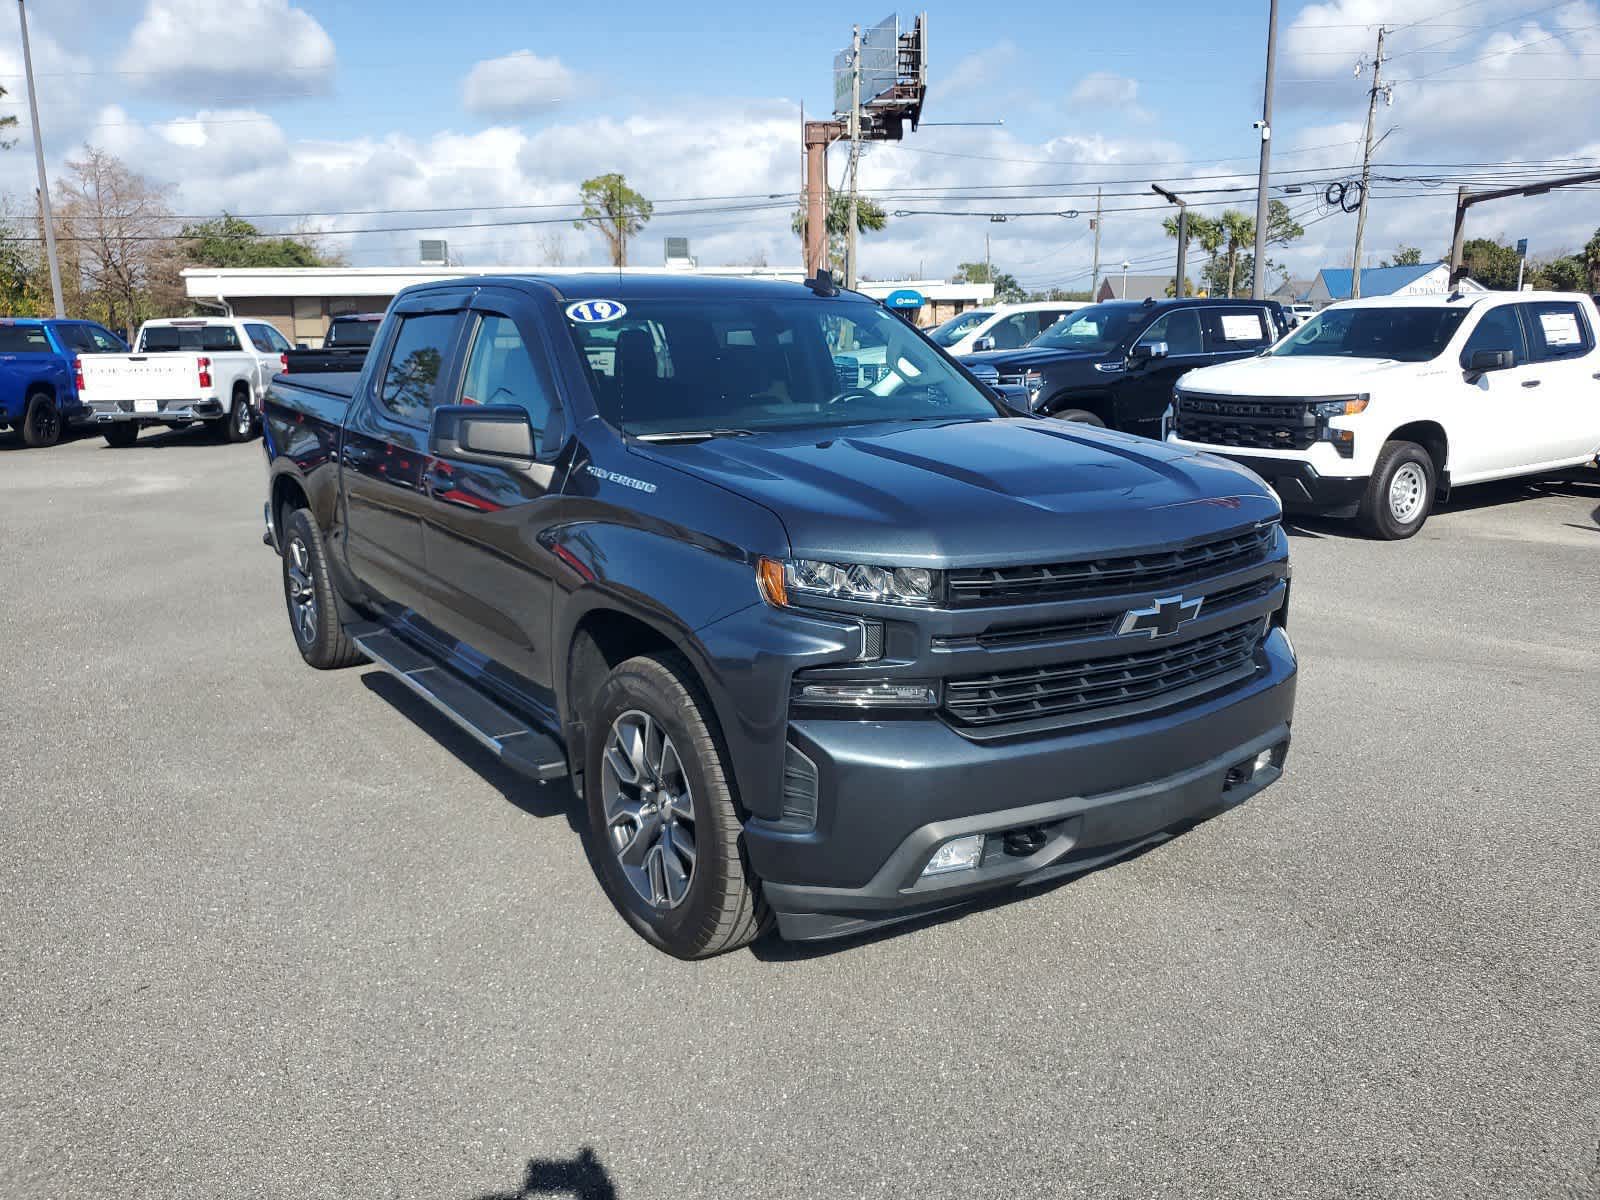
(23,339)
(343,334)
(1016,330)
(1556,329)
(259,338)
(75,338)
(1238,329)
(157,339)
(412,374)
(500,371)
(1499,330)
(102,341)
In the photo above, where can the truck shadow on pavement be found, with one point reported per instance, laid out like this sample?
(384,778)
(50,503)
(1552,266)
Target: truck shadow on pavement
(581,1176)
(534,798)
(1581,482)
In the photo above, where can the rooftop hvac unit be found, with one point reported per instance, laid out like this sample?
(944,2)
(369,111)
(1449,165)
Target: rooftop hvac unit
(678,252)
(435,252)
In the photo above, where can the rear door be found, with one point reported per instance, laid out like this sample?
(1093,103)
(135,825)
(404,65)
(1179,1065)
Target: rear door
(385,451)
(489,574)
(1561,346)
(1236,331)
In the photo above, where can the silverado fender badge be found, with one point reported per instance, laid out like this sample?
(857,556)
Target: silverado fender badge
(1161,619)
(638,485)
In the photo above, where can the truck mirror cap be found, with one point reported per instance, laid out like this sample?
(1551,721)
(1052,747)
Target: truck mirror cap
(499,434)
(979,345)
(1145,350)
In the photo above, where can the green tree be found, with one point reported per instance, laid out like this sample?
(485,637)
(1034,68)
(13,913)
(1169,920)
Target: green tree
(1006,288)
(1491,262)
(616,210)
(1591,261)
(1562,274)
(1403,256)
(870,218)
(228,241)
(8,125)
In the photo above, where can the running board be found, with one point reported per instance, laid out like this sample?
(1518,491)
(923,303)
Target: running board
(524,749)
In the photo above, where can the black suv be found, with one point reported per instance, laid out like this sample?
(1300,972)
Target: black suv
(1115,364)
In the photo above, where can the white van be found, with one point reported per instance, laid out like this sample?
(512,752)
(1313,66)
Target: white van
(1375,407)
(1001,326)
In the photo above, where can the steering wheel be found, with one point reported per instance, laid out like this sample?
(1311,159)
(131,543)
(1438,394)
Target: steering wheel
(850,394)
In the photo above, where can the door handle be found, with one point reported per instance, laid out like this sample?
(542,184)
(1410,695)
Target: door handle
(1530,383)
(356,457)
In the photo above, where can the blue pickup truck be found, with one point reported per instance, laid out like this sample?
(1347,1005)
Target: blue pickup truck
(38,385)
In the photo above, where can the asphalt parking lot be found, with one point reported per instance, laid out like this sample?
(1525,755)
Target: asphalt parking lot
(281,933)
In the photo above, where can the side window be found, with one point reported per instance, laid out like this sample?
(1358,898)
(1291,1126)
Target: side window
(409,379)
(1012,332)
(1498,330)
(75,338)
(1556,329)
(103,342)
(500,371)
(259,338)
(276,340)
(1179,329)
(219,338)
(1239,329)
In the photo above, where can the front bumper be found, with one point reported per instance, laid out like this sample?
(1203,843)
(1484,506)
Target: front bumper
(893,791)
(166,410)
(1300,486)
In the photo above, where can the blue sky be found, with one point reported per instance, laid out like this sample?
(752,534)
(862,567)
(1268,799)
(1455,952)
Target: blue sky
(297,106)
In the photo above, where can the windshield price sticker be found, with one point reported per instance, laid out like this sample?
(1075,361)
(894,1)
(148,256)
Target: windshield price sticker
(1241,327)
(595,312)
(1560,328)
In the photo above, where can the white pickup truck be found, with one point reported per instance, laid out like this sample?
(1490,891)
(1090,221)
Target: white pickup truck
(183,370)
(1376,407)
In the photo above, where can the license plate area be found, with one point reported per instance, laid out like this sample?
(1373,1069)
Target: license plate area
(144,406)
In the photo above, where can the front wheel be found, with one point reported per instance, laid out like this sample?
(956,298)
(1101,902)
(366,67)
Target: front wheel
(1400,492)
(41,425)
(1081,415)
(664,833)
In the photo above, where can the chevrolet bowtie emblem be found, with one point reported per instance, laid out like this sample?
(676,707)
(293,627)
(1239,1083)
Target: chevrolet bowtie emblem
(1163,618)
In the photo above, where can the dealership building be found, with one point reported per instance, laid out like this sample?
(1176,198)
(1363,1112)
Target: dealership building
(300,301)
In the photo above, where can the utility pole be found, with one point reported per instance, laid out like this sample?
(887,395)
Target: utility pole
(38,158)
(988,262)
(1094,282)
(1263,208)
(1366,166)
(850,272)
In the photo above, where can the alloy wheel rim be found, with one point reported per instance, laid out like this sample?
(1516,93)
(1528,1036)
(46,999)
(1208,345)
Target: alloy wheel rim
(649,809)
(242,418)
(1407,490)
(302,592)
(47,423)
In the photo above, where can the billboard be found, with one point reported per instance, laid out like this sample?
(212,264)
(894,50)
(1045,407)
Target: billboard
(880,51)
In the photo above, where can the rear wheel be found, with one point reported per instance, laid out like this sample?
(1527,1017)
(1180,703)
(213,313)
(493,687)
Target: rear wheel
(664,832)
(1081,415)
(41,424)
(240,423)
(121,433)
(309,596)
(1400,492)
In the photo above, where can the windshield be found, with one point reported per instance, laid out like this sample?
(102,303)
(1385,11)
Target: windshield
(683,366)
(1400,334)
(1098,329)
(343,334)
(158,338)
(953,330)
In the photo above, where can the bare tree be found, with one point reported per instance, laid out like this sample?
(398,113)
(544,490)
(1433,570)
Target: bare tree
(118,226)
(552,249)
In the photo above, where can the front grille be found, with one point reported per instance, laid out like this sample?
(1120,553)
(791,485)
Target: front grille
(1128,573)
(1121,685)
(1017,380)
(1252,423)
(984,373)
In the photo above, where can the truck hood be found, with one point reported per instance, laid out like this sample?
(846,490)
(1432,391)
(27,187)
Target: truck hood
(1007,361)
(1307,376)
(976,492)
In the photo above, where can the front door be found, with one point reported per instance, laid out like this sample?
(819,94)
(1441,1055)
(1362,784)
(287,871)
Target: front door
(1497,419)
(489,573)
(1146,386)
(385,452)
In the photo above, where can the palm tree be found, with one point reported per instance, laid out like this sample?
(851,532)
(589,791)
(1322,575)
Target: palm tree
(870,218)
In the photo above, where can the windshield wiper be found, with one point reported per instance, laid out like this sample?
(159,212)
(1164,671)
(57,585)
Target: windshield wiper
(694,435)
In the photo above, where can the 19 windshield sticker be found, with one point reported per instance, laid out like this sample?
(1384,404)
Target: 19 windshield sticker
(596,312)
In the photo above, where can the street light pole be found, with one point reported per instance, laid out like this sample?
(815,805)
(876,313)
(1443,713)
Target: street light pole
(1183,239)
(38,158)
(1263,209)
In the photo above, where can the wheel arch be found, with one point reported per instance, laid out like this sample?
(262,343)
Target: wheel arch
(1431,436)
(1101,404)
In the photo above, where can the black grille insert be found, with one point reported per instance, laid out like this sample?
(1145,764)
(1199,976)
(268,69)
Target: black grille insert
(1255,423)
(1131,573)
(1144,680)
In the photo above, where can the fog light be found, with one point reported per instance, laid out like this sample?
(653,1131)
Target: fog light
(1262,762)
(958,854)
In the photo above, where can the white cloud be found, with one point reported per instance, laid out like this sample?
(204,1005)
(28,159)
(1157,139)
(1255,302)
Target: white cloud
(193,48)
(516,84)
(1105,87)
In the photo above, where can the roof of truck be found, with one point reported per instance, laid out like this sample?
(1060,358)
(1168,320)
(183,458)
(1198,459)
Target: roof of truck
(611,285)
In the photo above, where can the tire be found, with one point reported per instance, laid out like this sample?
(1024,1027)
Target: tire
(1081,415)
(121,434)
(240,423)
(683,842)
(1400,492)
(308,595)
(41,424)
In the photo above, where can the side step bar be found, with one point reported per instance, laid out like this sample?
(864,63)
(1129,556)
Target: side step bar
(524,749)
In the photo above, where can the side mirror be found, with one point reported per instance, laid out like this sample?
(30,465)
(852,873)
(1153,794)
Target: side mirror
(981,344)
(498,435)
(1489,360)
(1145,351)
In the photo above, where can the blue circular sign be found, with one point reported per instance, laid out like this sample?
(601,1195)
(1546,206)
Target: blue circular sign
(596,312)
(904,298)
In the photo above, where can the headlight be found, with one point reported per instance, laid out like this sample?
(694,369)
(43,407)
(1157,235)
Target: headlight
(1340,406)
(782,582)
